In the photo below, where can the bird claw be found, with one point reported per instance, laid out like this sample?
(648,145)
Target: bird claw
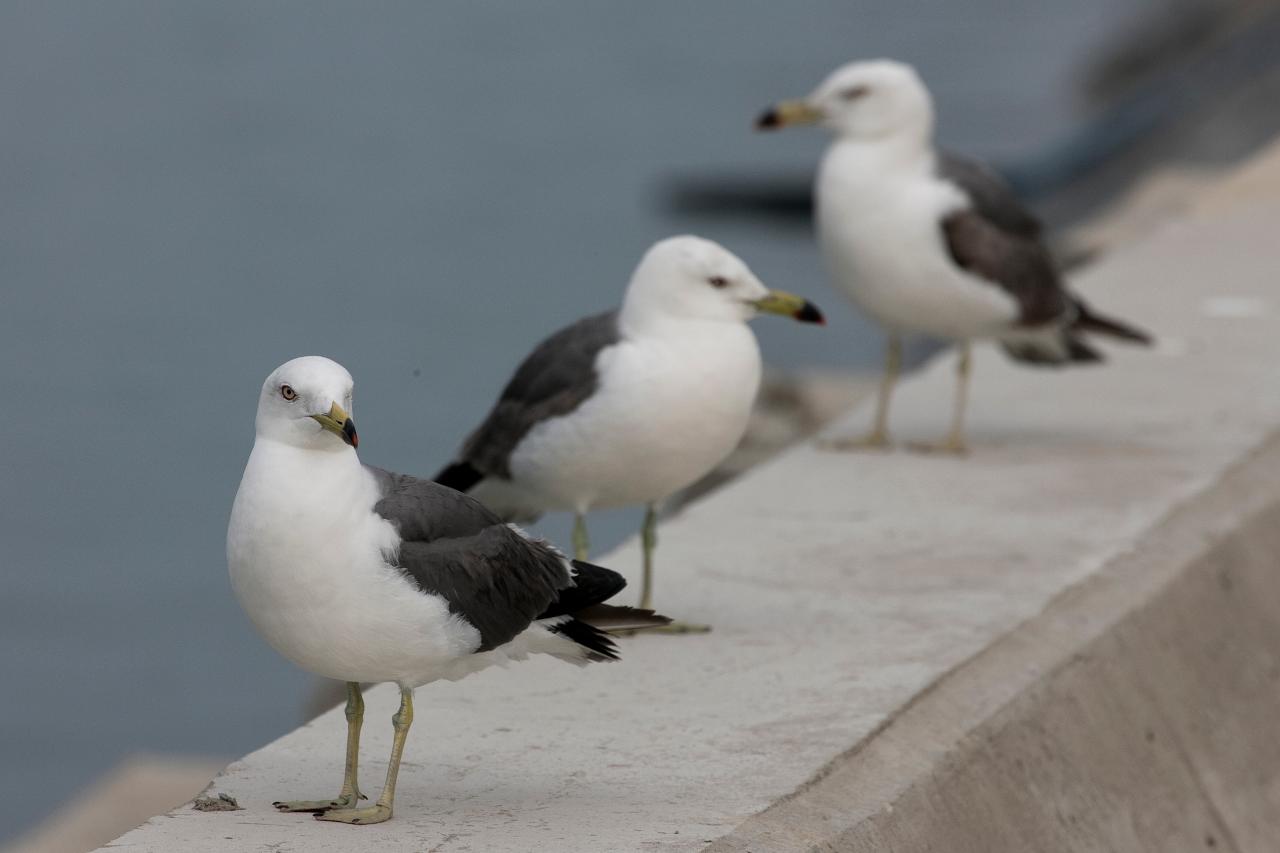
(376,813)
(316,806)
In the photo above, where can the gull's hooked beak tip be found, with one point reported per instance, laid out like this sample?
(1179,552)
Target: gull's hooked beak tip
(809,313)
(338,422)
(787,113)
(768,120)
(790,305)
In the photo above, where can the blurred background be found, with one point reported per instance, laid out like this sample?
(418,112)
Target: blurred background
(193,193)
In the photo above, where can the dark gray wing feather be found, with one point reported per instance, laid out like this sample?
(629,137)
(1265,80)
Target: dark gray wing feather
(452,546)
(997,239)
(556,378)
(989,194)
(1018,265)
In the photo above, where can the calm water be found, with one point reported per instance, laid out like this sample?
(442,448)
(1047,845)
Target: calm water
(191,194)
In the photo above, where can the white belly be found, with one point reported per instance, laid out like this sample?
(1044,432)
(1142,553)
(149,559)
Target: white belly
(667,411)
(880,236)
(320,599)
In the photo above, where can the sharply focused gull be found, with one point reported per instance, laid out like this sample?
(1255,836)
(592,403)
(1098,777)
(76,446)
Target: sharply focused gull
(362,575)
(630,406)
(924,241)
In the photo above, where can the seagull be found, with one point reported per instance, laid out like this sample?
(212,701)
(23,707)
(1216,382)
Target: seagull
(629,406)
(925,241)
(364,575)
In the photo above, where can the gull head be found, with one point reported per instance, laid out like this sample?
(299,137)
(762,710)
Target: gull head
(691,278)
(870,100)
(306,403)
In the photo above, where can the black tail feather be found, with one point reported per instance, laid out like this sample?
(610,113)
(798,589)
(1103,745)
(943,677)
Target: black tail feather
(617,617)
(590,628)
(599,646)
(590,618)
(1087,321)
(1079,351)
(592,585)
(459,475)
(1068,345)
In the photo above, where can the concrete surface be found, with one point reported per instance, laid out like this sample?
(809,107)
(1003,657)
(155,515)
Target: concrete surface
(1066,641)
(1136,713)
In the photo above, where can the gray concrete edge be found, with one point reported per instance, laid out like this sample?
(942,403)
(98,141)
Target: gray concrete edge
(1131,713)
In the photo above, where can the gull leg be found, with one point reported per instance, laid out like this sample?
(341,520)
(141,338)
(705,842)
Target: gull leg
(381,810)
(350,788)
(955,441)
(878,438)
(649,541)
(581,544)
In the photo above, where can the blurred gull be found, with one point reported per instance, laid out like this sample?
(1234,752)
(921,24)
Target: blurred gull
(928,242)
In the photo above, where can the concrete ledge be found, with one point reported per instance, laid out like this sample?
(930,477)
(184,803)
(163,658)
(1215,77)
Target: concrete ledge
(1068,641)
(1137,712)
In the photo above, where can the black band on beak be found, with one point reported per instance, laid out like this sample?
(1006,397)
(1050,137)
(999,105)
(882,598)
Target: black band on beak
(349,433)
(768,120)
(809,313)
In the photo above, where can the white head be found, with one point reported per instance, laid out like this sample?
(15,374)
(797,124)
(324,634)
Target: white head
(306,403)
(866,101)
(688,277)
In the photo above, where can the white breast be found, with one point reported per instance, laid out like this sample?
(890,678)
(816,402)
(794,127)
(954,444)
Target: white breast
(305,554)
(668,409)
(878,225)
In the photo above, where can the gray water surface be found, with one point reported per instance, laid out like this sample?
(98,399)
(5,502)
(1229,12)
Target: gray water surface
(190,194)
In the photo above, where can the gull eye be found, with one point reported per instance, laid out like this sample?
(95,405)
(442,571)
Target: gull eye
(719,282)
(288,393)
(854,92)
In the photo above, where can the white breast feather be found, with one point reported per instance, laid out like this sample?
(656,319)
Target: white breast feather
(667,411)
(307,561)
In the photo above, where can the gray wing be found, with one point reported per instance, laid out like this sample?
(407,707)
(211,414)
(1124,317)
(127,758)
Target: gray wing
(998,240)
(1020,267)
(989,194)
(453,547)
(556,378)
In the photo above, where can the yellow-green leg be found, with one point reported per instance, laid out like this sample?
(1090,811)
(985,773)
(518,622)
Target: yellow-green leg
(581,544)
(955,441)
(350,793)
(648,543)
(381,810)
(878,438)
